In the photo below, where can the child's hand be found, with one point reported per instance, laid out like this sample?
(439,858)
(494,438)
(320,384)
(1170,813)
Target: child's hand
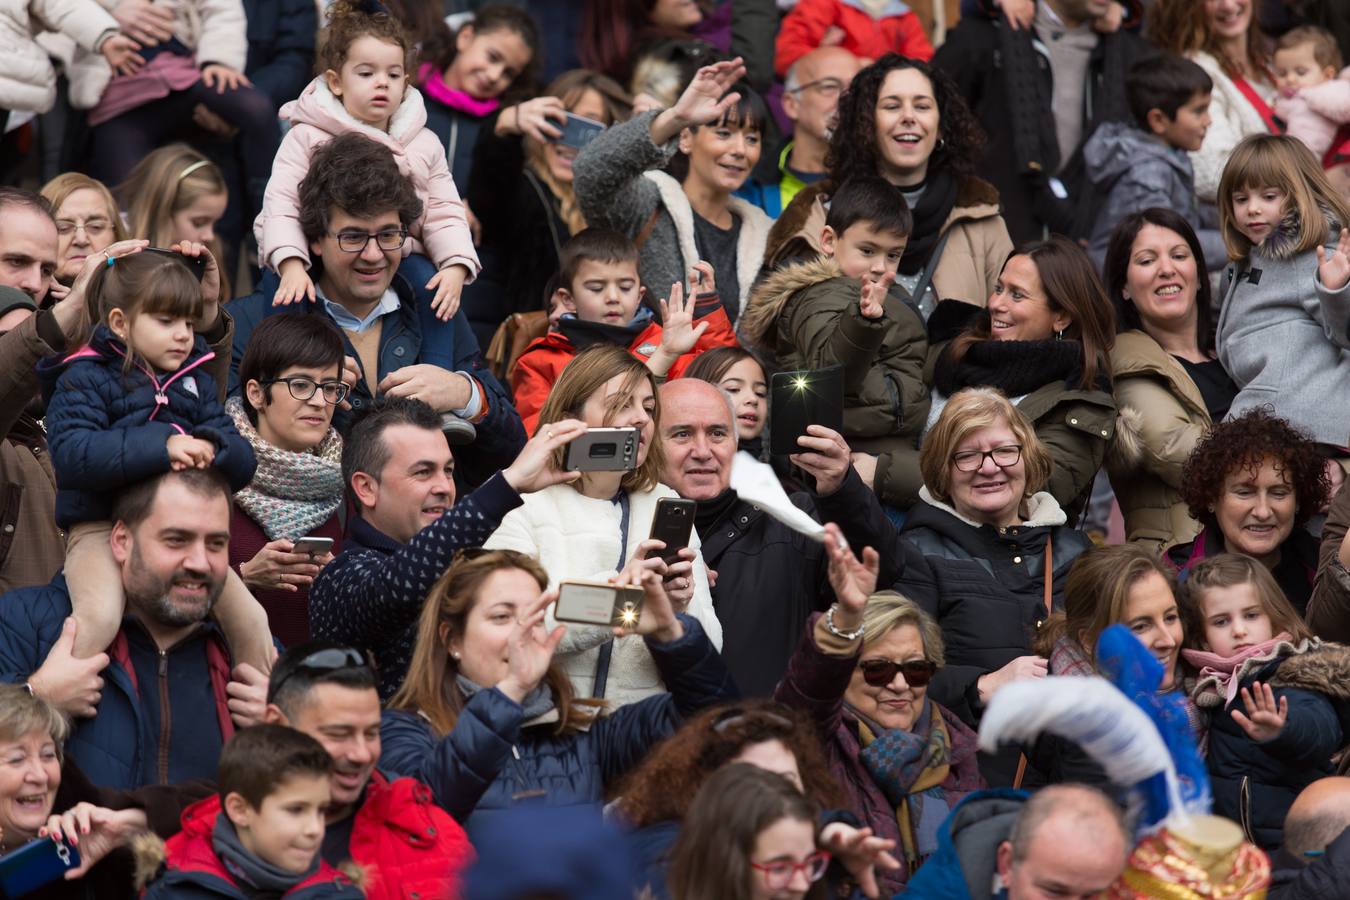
(870,304)
(1334,270)
(210,282)
(120,52)
(448,284)
(678,332)
(1264,719)
(295,283)
(188,452)
(701,280)
(223,78)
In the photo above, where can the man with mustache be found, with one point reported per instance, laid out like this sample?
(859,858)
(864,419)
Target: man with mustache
(163,691)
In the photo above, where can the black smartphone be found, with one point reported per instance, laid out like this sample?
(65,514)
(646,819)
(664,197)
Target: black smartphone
(578,131)
(603,450)
(799,399)
(593,603)
(35,864)
(673,523)
(196,264)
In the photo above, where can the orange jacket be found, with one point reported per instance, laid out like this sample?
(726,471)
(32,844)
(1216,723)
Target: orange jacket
(804,28)
(542,362)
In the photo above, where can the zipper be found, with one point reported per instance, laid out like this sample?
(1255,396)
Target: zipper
(165,718)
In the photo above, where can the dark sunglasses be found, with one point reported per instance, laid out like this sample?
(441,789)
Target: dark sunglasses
(322,662)
(881,672)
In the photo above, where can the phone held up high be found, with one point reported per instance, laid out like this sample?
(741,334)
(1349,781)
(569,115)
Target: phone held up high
(799,399)
(672,524)
(603,450)
(594,603)
(578,131)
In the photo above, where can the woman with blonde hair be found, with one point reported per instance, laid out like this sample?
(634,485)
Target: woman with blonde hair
(984,552)
(598,525)
(87,221)
(522,195)
(176,194)
(486,717)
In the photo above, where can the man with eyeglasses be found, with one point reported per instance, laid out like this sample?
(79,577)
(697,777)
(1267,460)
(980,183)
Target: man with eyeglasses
(356,209)
(810,100)
(388,826)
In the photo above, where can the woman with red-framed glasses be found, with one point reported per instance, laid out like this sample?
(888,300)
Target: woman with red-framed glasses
(862,675)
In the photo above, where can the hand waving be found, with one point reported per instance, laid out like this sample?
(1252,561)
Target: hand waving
(1264,718)
(706,99)
(529,649)
(861,854)
(679,334)
(1334,269)
(870,303)
(853,581)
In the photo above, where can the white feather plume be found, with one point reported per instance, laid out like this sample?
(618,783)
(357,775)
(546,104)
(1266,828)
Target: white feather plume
(1092,713)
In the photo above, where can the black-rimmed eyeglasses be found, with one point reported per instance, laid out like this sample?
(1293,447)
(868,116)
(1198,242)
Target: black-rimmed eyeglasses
(972,460)
(302,388)
(356,241)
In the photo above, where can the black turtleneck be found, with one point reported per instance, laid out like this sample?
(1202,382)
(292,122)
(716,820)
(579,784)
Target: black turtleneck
(709,512)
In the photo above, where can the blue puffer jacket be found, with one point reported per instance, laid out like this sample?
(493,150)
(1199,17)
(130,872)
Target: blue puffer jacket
(492,759)
(109,427)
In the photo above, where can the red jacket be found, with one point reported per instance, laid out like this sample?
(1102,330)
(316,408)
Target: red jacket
(539,366)
(192,868)
(407,845)
(804,28)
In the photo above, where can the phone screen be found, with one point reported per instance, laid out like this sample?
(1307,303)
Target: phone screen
(578,131)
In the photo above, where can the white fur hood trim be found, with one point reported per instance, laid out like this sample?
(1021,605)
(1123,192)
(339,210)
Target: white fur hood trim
(1039,510)
(318,106)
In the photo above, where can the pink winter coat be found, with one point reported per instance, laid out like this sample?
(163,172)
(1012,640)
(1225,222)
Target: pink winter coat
(442,231)
(1316,113)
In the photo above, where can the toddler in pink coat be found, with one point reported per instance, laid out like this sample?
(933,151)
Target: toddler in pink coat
(367,57)
(1314,101)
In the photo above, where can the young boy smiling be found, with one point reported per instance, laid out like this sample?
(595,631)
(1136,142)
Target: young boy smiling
(600,295)
(260,835)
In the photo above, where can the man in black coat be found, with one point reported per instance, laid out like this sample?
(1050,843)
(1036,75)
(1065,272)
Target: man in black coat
(1315,859)
(770,579)
(1040,93)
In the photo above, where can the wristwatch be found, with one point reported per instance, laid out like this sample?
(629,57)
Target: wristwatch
(830,626)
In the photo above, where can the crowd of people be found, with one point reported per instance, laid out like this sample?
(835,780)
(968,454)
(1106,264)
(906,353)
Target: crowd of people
(303,525)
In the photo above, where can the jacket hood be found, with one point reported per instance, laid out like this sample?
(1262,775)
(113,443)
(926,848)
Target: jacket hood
(1116,147)
(963,865)
(1040,510)
(317,106)
(769,297)
(1324,668)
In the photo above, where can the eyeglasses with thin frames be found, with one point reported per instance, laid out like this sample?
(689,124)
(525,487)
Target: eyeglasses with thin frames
(829,87)
(301,388)
(972,460)
(356,241)
(93,228)
(779,874)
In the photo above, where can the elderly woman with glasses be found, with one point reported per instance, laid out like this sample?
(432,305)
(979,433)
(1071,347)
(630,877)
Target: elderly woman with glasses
(285,525)
(862,674)
(87,221)
(984,552)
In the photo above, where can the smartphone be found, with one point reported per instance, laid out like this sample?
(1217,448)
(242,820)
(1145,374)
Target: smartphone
(603,450)
(578,131)
(196,264)
(35,864)
(314,546)
(799,399)
(593,603)
(673,523)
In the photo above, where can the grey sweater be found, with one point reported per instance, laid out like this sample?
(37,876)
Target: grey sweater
(619,185)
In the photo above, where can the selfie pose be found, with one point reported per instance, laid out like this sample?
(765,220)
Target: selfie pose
(600,523)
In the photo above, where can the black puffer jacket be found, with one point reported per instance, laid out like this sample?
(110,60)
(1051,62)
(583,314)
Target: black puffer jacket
(984,587)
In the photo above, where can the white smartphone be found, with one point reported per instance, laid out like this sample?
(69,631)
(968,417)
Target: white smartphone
(592,603)
(314,546)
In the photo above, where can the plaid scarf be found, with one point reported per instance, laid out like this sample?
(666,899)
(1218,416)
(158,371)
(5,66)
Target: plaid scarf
(910,767)
(291,493)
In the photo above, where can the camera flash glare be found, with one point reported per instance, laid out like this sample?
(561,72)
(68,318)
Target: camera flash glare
(628,616)
(799,382)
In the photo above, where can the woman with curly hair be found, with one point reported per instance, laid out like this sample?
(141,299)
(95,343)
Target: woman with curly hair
(1226,41)
(1253,483)
(654,799)
(905,121)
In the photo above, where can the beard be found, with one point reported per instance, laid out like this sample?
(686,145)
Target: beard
(153,596)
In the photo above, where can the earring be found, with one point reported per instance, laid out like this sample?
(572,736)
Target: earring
(1059,335)
(941,144)
(455,655)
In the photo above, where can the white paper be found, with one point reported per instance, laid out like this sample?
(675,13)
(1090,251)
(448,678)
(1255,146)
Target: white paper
(755,482)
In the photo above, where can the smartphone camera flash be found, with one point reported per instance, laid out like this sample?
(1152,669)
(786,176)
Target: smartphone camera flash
(629,615)
(799,382)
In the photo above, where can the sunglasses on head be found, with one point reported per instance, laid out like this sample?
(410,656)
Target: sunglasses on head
(881,672)
(321,662)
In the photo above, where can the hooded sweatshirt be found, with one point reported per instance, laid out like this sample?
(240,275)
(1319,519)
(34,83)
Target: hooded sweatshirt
(1136,171)
(441,231)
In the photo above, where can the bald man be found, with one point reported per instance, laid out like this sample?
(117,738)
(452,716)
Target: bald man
(810,99)
(1314,863)
(770,579)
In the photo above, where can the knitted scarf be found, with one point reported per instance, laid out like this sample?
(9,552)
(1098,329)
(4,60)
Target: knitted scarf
(1015,367)
(1221,676)
(910,767)
(930,214)
(291,493)
(433,83)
